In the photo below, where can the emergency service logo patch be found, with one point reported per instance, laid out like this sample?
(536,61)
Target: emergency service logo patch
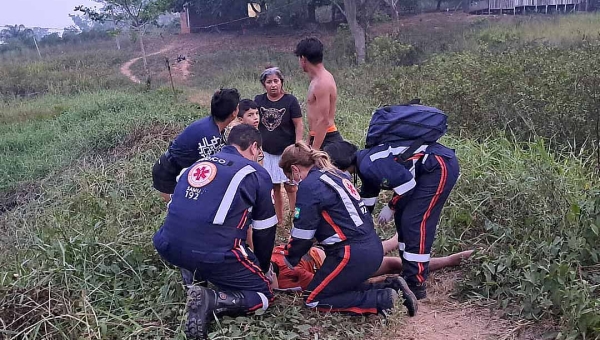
(351,189)
(201,174)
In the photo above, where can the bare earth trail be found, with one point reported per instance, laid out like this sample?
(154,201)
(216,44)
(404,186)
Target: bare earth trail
(126,67)
(441,317)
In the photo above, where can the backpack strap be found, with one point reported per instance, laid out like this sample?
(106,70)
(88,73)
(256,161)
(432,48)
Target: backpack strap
(411,150)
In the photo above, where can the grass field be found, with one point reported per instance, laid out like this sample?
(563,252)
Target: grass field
(77,209)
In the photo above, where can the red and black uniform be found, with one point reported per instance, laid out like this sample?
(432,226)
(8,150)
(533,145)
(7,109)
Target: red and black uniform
(205,230)
(329,209)
(421,185)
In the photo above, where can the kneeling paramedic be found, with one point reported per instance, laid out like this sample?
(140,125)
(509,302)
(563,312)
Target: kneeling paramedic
(329,208)
(403,155)
(206,225)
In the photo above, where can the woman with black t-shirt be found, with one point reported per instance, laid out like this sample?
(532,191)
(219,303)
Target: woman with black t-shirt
(280,126)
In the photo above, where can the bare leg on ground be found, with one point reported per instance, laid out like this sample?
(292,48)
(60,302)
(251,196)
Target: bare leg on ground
(393,265)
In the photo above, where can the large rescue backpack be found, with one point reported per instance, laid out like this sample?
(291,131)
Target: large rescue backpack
(408,122)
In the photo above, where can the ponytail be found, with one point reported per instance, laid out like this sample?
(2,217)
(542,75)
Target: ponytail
(302,154)
(322,161)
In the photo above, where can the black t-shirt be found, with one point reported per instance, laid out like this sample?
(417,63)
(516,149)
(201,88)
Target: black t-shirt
(276,126)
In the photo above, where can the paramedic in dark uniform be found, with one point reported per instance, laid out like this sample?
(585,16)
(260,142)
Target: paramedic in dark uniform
(200,139)
(330,210)
(206,226)
(421,185)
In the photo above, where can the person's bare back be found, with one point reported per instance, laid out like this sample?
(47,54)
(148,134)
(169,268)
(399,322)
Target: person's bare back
(322,94)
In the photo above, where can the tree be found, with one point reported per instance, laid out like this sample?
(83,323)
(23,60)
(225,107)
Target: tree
(137,14)
(82,22)
(358,14)
(16,34)
(394,6)
(112,29)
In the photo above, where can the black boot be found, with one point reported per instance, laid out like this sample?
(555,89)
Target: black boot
(203,302)
(386,300)
(420,289)
(410,300)
(190,278)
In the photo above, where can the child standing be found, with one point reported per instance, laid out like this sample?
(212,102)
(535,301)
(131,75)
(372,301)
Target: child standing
(247,114)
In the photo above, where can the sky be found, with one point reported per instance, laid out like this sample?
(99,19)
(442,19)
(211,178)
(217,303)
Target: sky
(40,13)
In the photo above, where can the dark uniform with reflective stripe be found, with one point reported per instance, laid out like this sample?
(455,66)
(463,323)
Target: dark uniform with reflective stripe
(329,208)
(421,186)
(208,217)
(200,139)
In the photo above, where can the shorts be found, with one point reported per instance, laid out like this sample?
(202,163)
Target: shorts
(164,174)
(330,138)
(271,164)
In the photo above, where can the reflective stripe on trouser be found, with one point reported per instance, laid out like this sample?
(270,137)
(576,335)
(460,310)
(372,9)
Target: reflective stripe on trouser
(338,286)
(417,222)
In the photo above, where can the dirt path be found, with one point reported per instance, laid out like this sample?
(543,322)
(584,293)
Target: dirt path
(441,317)
(126,68)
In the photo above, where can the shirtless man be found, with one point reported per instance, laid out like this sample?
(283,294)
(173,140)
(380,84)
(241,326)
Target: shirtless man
(322,94)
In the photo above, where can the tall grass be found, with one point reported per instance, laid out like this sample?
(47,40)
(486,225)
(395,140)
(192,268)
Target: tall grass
(557,30)
(70,71)
(76,261)
(67,128)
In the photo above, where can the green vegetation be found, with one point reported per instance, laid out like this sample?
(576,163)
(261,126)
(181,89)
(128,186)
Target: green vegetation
(63,70)
(77,259)
(52,132)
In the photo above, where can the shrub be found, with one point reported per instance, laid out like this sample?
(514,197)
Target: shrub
(535,217)
(535,91)
(385,50)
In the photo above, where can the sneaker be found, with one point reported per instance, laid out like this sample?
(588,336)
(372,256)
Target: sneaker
(419,289)
(410,300)
(200,304)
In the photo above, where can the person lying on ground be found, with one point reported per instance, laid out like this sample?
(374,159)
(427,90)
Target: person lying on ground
(298,278)
(202,138)
(206,226)
(329,209)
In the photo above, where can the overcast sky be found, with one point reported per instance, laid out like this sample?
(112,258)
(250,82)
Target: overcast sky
(40,13)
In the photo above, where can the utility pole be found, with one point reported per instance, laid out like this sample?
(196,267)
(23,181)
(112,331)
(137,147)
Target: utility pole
(36,47)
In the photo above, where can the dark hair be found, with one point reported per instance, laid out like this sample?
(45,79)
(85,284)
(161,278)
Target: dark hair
(342,154)
(311,49)
(223,103)
(245,105)
(243,135)
(269,71)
